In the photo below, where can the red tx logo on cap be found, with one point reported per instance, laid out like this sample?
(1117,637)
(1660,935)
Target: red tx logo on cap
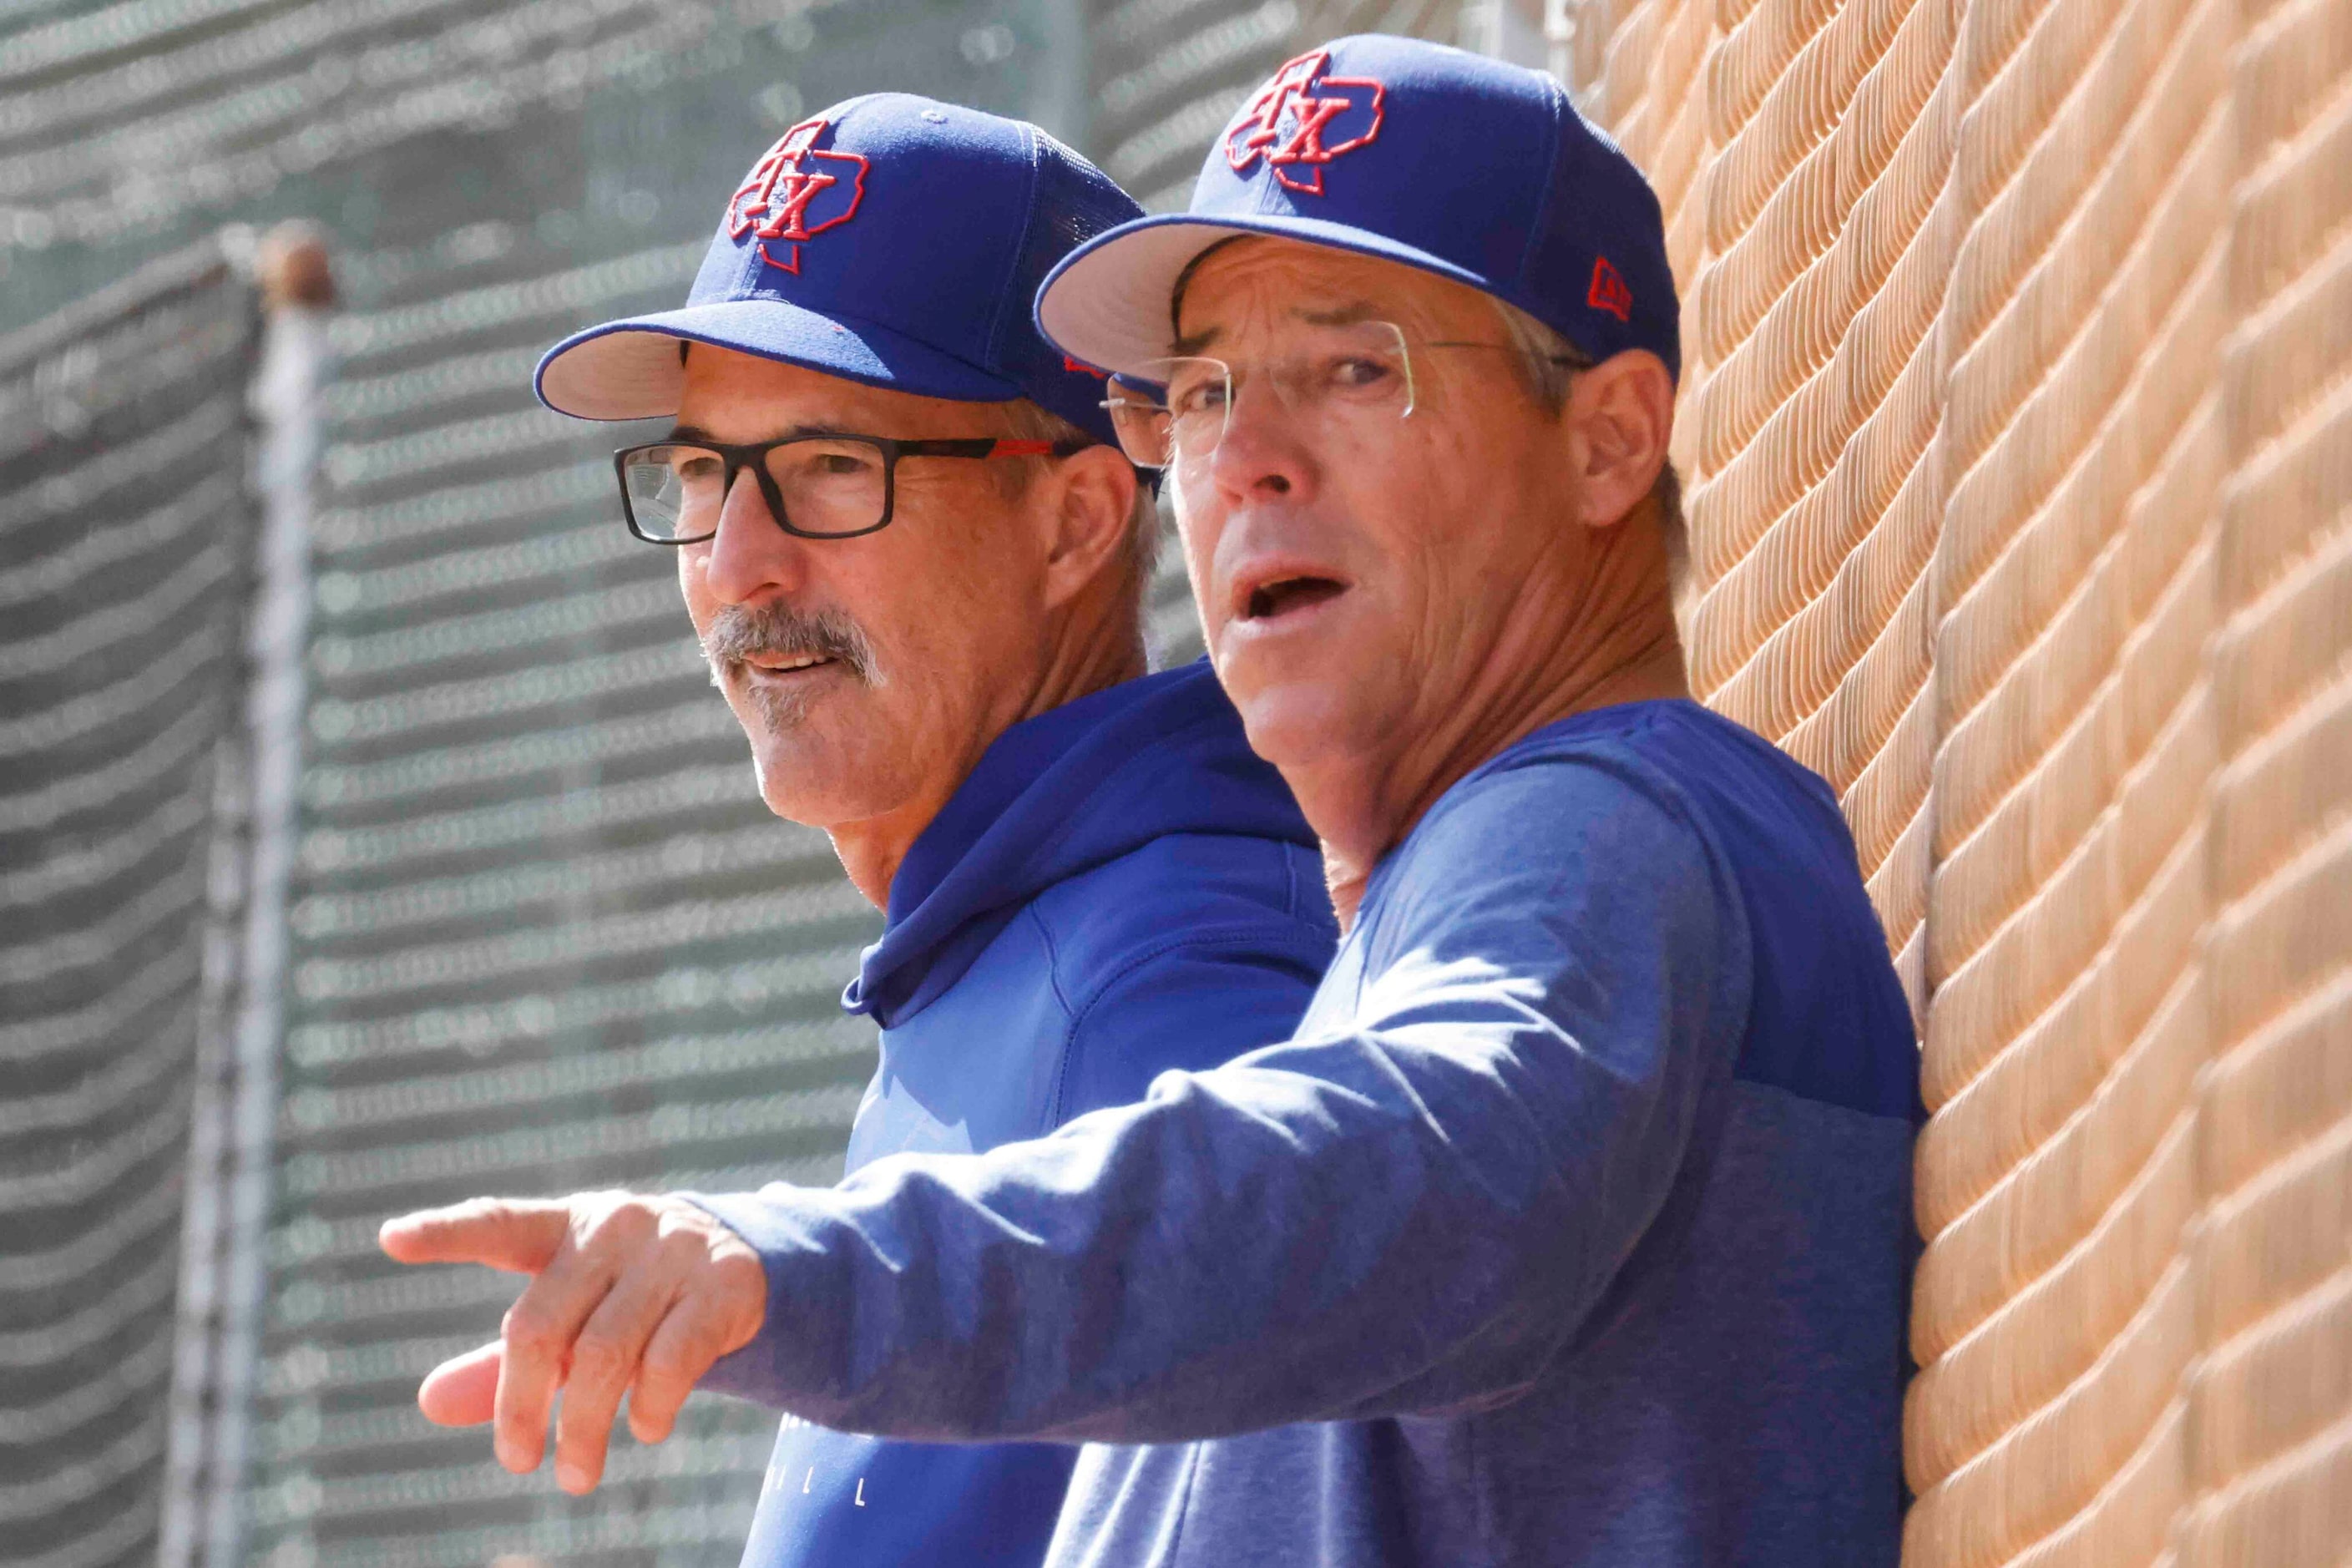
(795,178)
(1290,119)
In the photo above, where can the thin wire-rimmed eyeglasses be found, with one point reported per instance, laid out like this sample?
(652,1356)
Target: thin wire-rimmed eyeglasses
(818,487)
(1354,375)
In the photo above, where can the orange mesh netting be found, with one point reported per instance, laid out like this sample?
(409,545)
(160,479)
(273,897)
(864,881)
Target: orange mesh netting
(2017,430)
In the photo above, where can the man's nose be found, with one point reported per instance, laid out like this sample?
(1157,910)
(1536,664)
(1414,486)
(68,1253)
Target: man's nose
(751,557)
(1266,449)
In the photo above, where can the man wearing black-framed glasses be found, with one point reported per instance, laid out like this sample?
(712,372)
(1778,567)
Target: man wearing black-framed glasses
(913,556)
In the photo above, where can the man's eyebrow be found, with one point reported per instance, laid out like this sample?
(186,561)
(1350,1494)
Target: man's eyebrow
(1338,316)
(696,436)
(1341,316)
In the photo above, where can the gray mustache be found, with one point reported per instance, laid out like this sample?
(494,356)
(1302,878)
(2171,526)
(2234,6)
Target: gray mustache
(738,631)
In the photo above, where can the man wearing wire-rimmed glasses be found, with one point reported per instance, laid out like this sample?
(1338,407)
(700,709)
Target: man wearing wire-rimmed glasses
(1571,1225)
(914,557)
(1600,1126)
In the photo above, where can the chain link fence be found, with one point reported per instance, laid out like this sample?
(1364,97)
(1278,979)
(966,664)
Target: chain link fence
(125,554)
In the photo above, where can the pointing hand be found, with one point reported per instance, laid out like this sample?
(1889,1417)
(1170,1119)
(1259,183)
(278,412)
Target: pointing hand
(630,1294)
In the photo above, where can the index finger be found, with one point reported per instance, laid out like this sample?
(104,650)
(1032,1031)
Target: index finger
(519,1234)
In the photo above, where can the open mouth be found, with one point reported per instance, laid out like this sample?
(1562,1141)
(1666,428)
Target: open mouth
(1270,601)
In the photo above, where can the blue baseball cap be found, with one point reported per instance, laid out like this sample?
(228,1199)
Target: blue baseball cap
(891,240)
(1435,157)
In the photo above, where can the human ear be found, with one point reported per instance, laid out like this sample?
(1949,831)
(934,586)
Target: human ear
(1620,417)
(1092,496)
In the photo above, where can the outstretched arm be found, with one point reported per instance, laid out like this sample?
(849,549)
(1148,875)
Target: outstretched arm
(1415,1213)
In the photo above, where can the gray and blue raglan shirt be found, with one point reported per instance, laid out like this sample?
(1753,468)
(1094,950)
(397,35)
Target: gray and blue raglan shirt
(1572,1226)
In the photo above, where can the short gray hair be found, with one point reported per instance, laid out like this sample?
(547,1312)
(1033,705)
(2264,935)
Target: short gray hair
(1027,421)
(1548,365)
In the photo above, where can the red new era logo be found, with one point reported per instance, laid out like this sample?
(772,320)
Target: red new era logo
(797,191)
(1302,120)
(1608,291)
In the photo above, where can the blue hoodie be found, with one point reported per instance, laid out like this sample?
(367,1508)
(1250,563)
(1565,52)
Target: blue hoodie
(1120,888)
(1571,1228)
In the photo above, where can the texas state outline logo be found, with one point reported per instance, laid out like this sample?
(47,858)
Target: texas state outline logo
(797,191)
(1302,120)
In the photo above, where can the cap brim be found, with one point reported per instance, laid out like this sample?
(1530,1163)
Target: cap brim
(1107,302)
(631,370)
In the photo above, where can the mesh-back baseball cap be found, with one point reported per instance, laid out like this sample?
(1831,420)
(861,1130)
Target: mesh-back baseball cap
(1435,157)
(890,239)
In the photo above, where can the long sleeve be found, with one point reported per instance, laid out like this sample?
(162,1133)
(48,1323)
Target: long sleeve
(1412,1208)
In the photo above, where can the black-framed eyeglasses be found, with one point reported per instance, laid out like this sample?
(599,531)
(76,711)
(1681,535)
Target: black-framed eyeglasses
(817,487)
